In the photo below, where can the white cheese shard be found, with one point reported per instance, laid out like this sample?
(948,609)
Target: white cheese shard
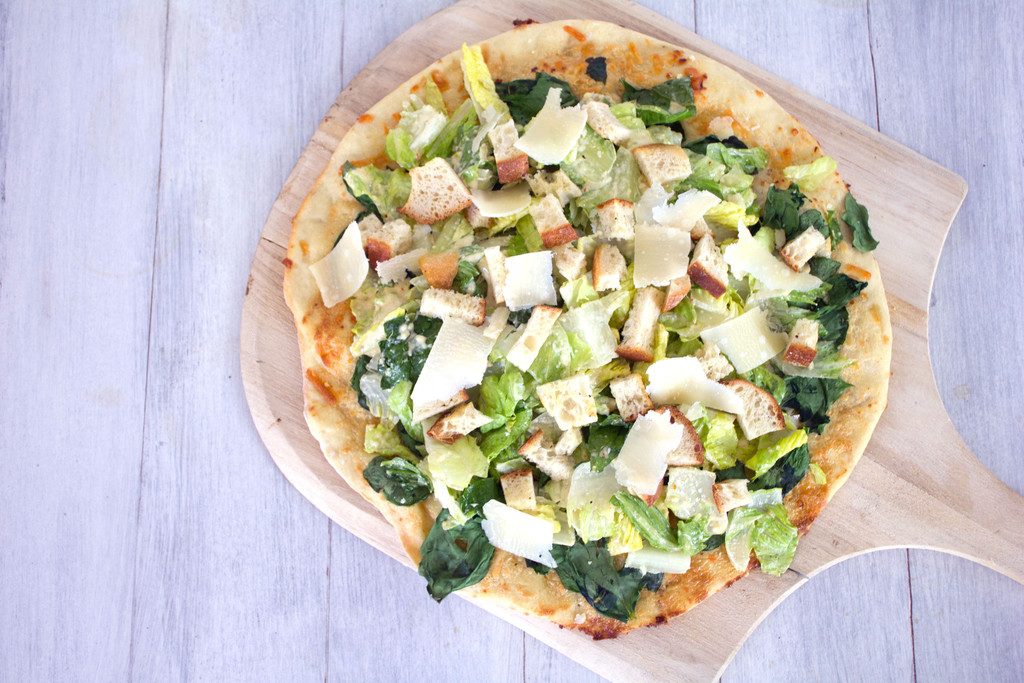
(341,272)
(643,459)
(457,361)
(747,340)
(661,255)
(553,132)
(674,381)
(686,210)
(518,533)
(653,197)
(528,281)
(507,201)
(749,256)
(395,269)
(538,329)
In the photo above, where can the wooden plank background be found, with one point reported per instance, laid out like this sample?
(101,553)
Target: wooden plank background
(145,534)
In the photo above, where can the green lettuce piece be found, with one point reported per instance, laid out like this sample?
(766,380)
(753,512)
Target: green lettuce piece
(693,535)
(774,540)
(398,147)
(417,128)
(811,176)
(763,377)
(525,97)
(500,396)
(462,121)
(622,183)
(578,292)
(665,103)
(501,443)
(786,473)
(729,215)
(591,160)
(397,479)
(663,135)
(749,161)
(554,359)
(650,522)
(771,448)
(739,534)
(717,431)
(661,338)
(379,190)
(817,474)
(431,95)
(400,402)
(625,112)
(602,376)
(855,215)
(455,465)
(527,238)
(383,440)
(454,230)
(477,79)
(625,537)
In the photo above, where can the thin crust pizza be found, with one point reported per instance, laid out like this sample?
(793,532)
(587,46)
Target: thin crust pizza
(591,320)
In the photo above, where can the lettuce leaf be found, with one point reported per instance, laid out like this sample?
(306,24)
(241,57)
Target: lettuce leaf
(717,431)
(384,440)
(500,396)
(591,160)
(455,465)
(774,540)
(693,535)
(649,521)
(379,190)
(625,537)
(578,292)
(400,402)
(811,176)
(462,121)
(622,183)
(771,448)
(477,79)
(525,97)
(748,160)
(665,103)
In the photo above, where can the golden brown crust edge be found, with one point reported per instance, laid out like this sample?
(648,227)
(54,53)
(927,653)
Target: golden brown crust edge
(337,421)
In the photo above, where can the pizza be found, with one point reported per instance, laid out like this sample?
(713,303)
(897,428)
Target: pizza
(591,320)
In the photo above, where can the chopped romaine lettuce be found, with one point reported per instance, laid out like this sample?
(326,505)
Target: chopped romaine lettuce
(456,464)
(810,176)
(625,537)
(500,396)
(665,103)
(649,521)
(771,448)
(478,82)
(401,405)
(774,540)
(693,535)
(379,190)
(384,440)
(622,183)
(717,431)
(591,160)
(459,127)
(455,232)
(749,161)
(578,292)
(589,507)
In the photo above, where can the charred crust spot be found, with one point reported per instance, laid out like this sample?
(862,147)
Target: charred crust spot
(696,78)
(288,263)
(321,386)
(523,22)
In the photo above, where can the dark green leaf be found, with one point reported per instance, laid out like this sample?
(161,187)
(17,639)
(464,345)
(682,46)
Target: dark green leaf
(541,569)
(587,569)
(663,104)
(714,541)
(763,377)
(525,97)
(597,68)
(605,439)
(823,267)
(811,398)
(479,491)
(855,215)
(786,473)
(451,559)
(782,210)
(700,145)
(650,522)
(468,280)
(397,479)
(517,318)
(812,218)
(401,357)
(357,374)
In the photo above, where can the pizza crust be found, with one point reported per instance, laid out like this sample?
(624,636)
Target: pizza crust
(724,100)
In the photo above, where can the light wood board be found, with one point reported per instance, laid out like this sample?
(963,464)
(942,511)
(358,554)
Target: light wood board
(917,485)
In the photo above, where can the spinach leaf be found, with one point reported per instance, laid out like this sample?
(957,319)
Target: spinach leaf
(605,439)
(786,473)
(479,491)
(713,542)
(663,104)
(397,479)
(401,355)
(587,569)
(597,68)
(831,312)
(525,97)
(737,471)
(454,558)
(649,521)
(855,215)
(700,145)
(469,281)
(357,374)
(541,569)
(517,318)
(782,209)
(823,267)
(811,397)
(812,218)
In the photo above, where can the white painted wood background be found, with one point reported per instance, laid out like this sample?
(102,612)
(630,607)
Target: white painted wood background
(145,533)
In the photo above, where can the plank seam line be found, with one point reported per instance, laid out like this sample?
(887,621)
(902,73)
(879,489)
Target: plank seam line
(149,330)
(913,645)
(874,72)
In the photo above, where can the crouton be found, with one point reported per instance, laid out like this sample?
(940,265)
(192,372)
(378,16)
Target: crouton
(445,304)
(495,262)
(517,486)
(439,406)
(615,220)
(440,269)
(368,224)
(707,267)
(553,226)
(761,412)
(437,193)
(609,268)
(714,363)
(677,291)
(689,452)
(568,442)
(570,261)
(475,218)
(699,229)
(730,494)
(538,329)
(604,122)
(570,401)
(631,396)
(803,343)
(457,422)
(799,250)
(557,466)
(641,325)
(553,182)
(385,241)
(511,162)
(662,164)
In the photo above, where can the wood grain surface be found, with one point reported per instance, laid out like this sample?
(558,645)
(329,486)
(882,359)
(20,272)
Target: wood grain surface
(141,533)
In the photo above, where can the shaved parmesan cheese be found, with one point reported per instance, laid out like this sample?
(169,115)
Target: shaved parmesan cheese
(644,456)
(457,361)
(341,272)
(654,196)
(661,255)
(553,132)
(395,269)
(747,340)
(588,505)
(496,323)
(748,256)
(528,281)
(688,493)
(518,533)
(651,561)
(507,201)
(686,210)
(682,380)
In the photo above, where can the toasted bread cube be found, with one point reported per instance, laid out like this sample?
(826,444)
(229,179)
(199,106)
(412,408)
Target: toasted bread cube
(445,304)
(615,220)
(570,401)
(553,182)
(385,241)
(730,494)
(367,224)
(437,192)
(716,366)
(799,250)
(707,268)
(631,397)
(570,261)
(457,422)
(553,226)
(440,269)
(557,466)
(641,325)
(517,486)
(475,218)
(568,442)
(495,262)
(609,268)
(689,452)
(677,291)
(601,119)
(761,412)
(699,229)
(440,406)
(538,329)
(662,164)
(803,343)
(512,163)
